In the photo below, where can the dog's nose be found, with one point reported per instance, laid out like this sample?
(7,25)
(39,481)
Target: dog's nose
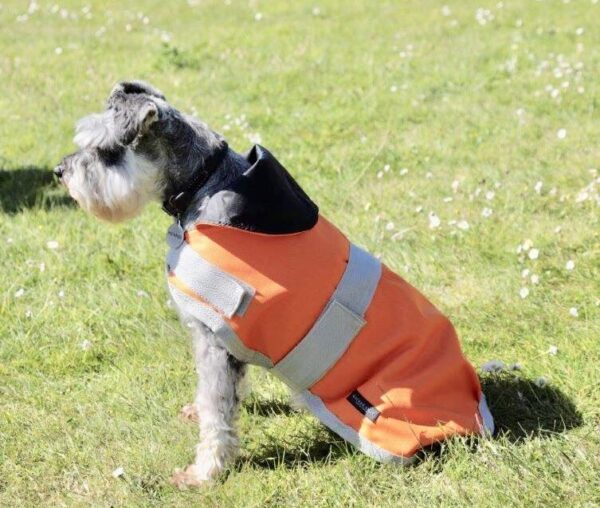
(59,170)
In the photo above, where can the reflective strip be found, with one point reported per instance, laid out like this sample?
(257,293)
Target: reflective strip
(219,327)
(337,326)
(487,427)
(224,292)
(330,420)
(359,282)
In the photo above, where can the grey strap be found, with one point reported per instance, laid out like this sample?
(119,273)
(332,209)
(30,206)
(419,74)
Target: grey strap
(224,292)
(359,282)
(213,321)
(338,325)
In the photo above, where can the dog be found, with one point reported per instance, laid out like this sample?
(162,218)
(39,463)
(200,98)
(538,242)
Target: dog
(259,276)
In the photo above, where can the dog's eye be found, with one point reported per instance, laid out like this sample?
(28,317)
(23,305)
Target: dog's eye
(110,157)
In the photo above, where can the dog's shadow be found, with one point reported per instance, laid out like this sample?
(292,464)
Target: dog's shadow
(30,187)
(522,411)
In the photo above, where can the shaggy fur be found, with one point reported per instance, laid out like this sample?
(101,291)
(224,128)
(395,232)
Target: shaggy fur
(141,149)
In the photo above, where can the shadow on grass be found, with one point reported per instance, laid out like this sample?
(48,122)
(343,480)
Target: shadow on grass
(292,450)
(522,410)
(29,187)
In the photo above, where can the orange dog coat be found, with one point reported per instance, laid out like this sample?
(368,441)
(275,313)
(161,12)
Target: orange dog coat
(371,357)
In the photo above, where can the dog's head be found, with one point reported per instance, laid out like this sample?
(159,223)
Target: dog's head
(132,152)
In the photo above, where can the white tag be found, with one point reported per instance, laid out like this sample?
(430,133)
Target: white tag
(175,235)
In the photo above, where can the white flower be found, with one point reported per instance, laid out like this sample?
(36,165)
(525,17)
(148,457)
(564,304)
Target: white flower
(489,195)
(52,244)
(534,254)
(86,345)
(579,31)
(19,293)
(393,88)
(463,224)
(525,273)
(570,265)
(455,185)
(419,209)
(515,366)
(486,212)
(527,244)
(118,472)
(573,311)
(61,294)
(58,51)
(379,174)
(316,11)
(434,221)
(541,382)
(561,133)
(386,168)
(552,350)
(493,366)
(524,292)
(28,314)
(258,16)
(535,279)
(538,187)
(42,267)
(389,226)
(446,11)
(403,171)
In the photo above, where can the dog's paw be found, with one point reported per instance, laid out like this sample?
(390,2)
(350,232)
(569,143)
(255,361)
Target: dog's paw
(189,413)
(191,476)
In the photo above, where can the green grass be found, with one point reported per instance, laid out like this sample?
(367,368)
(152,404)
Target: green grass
(319,89)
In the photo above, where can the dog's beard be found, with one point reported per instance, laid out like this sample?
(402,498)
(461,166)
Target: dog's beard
(115,193)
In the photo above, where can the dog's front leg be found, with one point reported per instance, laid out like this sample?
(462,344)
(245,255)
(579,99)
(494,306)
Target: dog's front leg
(217,403)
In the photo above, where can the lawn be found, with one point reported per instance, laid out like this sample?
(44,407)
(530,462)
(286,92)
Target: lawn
(459,142)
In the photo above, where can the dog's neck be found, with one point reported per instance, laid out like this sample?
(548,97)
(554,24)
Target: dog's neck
(230,165)
(179,197)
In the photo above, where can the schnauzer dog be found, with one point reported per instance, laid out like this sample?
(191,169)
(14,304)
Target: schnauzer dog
(260,277)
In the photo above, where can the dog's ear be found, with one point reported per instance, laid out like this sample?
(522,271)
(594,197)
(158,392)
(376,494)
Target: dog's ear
(133,119)
(132,88)
(134,109)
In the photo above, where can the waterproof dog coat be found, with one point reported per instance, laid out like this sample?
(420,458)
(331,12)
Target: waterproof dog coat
(283,288)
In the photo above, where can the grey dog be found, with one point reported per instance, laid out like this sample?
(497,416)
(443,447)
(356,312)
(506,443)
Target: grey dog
(142,149)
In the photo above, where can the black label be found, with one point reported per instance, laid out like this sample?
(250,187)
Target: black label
(363,405)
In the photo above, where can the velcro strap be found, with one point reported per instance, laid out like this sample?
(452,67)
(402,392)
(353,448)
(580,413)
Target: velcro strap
(214,322)
(338,325)
(225,293)
(327,340)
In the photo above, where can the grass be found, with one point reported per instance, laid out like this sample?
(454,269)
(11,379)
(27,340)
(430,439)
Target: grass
(336,93)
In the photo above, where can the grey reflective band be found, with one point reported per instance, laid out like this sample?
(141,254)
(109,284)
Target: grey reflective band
(359,282)
(219,327)
(487,425)
(336,328)
(224,292)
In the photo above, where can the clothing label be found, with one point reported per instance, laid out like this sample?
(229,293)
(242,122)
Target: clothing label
(363,405)
(175,235)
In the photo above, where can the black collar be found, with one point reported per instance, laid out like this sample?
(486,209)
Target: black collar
(178,202)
